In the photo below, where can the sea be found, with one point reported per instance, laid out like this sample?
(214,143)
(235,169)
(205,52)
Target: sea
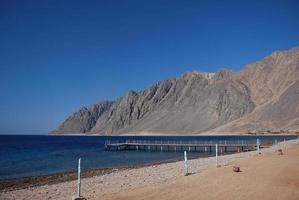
(38,155)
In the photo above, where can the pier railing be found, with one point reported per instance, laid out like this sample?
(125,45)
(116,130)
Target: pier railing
(184,145)
(182,142)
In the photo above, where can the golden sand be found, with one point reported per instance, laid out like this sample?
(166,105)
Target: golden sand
(266,176)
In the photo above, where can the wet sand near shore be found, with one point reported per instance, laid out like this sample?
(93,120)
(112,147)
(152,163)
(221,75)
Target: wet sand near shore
(266,176)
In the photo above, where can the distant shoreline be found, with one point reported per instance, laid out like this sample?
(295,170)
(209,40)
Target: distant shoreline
(155,134)
(161,134)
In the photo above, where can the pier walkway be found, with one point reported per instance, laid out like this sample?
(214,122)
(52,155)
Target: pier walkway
(192,146)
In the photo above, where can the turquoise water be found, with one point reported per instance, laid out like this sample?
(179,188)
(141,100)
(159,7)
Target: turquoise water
(28,155)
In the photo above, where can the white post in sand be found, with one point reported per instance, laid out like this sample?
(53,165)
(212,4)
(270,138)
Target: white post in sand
(79,179)
(185,164)
(216,150)
(284,144)
(258,145)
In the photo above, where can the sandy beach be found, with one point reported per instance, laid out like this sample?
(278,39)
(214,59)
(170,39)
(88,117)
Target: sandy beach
(264,176)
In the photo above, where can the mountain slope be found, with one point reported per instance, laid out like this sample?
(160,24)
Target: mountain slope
(262,96)
(83,120)
(189,103)
(274,83)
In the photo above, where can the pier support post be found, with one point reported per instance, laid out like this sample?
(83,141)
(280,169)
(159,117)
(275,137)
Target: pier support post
(185,164)
(216,151)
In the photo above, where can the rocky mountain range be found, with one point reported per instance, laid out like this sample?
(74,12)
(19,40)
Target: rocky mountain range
(264,96)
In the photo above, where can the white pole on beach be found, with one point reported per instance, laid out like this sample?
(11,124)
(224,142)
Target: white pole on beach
(258,145)
(216,150)
(185,164)
(284,144)
(79,178)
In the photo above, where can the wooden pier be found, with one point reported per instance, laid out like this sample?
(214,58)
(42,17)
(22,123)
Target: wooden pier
(191,146)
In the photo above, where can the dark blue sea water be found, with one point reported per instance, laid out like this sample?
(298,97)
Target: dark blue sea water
(28,155)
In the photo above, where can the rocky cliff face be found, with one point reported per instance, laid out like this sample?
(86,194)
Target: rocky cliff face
(195,101)
(84,120)
(259,96)
(274,86)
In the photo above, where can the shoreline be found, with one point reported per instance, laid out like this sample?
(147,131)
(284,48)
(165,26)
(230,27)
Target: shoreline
(179,134)
(11,184)
(60,177)
(119,181)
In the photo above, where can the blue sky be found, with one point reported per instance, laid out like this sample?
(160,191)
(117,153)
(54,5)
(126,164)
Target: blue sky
(57,56)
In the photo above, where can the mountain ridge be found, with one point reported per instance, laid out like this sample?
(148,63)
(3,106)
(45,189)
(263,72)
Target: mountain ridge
(199,102)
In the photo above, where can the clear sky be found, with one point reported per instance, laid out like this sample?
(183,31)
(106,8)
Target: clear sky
(57,56)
